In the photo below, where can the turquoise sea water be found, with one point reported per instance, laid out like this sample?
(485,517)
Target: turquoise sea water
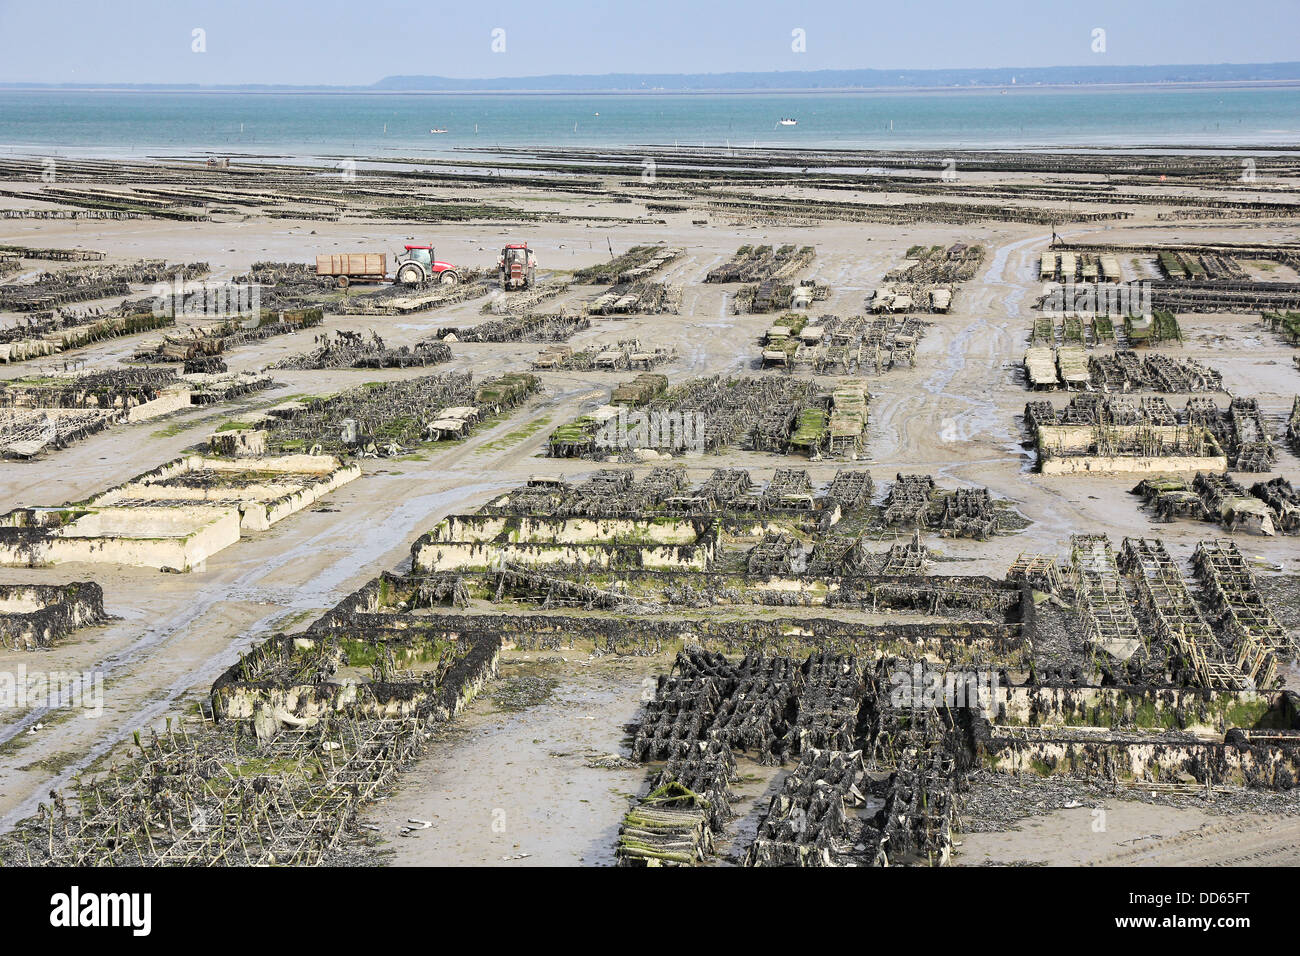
(115,124)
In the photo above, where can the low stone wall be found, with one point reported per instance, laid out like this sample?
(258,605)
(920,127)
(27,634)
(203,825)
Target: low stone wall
(234,697)
(36,615)
(258,516)
(986,643)
(238,442)
(176,539)
(1197,710)
(1168,758)
(431,555)
(535,529)
(147,522)
(1129,464)
(169,400)
(1068,450)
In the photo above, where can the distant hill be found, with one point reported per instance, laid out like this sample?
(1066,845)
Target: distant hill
(855,79)
(795,81)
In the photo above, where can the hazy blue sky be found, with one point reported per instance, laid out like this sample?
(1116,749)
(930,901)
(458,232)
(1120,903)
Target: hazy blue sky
(360,41)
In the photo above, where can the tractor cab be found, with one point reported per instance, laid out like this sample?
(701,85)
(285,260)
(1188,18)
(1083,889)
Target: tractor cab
(420,254)
(517,266)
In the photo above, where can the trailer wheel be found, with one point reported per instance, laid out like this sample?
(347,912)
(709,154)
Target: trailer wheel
(342,282)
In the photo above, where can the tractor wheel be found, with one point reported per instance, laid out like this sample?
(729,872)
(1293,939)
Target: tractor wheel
(410,275)
(448,278)
(342,282)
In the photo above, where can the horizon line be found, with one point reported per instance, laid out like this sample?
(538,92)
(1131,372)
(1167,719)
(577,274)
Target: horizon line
(537,82)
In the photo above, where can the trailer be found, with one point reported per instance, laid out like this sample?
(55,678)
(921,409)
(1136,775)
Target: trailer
(347,268)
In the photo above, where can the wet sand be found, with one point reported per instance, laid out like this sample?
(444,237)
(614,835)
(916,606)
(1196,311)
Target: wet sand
(955,415)
(1130,833)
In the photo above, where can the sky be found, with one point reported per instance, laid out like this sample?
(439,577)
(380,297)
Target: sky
(356,42)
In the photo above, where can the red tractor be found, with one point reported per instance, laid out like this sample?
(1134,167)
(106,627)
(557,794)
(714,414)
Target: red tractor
(517,266)
(418,265)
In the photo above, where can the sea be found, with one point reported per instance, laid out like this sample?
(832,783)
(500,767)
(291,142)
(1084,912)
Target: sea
(303,126)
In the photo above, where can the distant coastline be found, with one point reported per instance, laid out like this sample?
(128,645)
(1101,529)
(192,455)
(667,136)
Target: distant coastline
(817,91)
(1226,75)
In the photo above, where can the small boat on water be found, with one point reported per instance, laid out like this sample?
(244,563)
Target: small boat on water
(438,130)
(786,121)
